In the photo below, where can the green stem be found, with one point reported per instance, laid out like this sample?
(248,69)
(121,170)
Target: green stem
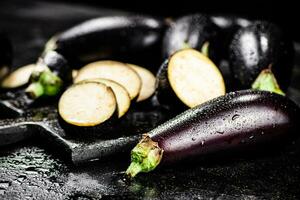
(35,90)
(44,83)
(145,157)
(266,81)
(205,49)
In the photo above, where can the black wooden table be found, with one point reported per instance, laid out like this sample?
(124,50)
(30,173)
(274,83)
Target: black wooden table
(27,171)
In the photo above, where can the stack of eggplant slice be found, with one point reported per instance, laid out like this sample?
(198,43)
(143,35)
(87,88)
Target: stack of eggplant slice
(127,38)
(97,96)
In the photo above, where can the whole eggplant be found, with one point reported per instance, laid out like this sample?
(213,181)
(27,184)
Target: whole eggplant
(234,121)
(257,47)
(191,31)
(5,55)
(132,38)
(228,25)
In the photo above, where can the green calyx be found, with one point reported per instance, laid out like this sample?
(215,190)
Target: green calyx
(266,81)
(205,49)
(145,157)
(44,83)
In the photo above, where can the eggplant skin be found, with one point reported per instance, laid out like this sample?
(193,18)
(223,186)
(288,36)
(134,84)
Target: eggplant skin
(5,51)
(126,38)
(234,121)
(164,92)
(228,25)
(192,31)
(257,47)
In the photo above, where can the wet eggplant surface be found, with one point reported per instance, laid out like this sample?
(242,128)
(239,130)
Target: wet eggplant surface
(36,169)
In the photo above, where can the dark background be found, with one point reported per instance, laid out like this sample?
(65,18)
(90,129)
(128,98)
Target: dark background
(28,171)
(283,13)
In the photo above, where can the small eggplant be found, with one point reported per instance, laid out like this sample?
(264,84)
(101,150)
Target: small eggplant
(130,38)
(228,25)
(257,47)
(51,74)
(235,121)
(5,55)
(122,96)
(47,80)
(194,31)
(188,79)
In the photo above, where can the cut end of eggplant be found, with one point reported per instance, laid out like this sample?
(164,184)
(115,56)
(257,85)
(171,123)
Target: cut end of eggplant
(19,77)
(145,157)
(44,83)
(113,70)
(148,82)
(266,81)
(87,104)
(122,96)
(194,78)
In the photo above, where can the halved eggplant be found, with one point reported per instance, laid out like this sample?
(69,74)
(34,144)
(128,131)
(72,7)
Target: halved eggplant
(236,121)
(189,78)
(5,55)
(18,78)
(122,96)
(148,82)
(113,70)
(130,38)
(257,47)
(50,75)
(191,31)
(87,108)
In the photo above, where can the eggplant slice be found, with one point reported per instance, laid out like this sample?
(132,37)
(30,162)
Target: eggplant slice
(148,82)
(122,96)
(194,78)
(87,104)
(113,70)
(19,77)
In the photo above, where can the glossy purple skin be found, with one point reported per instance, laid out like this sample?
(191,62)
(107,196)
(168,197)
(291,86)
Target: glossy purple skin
(238,119)
(258,46)
(112,37)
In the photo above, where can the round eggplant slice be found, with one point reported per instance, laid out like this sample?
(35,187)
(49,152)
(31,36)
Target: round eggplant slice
(122,96)
(113,70)
(148,82)
(19,77)
(87,104)
(190,76)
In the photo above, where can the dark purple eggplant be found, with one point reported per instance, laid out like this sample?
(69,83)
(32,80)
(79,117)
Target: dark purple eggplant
(49,78)
(228,25)
(133,39)
(5,55)
(51,75)
(235,121)
(195,31)
(258,47)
